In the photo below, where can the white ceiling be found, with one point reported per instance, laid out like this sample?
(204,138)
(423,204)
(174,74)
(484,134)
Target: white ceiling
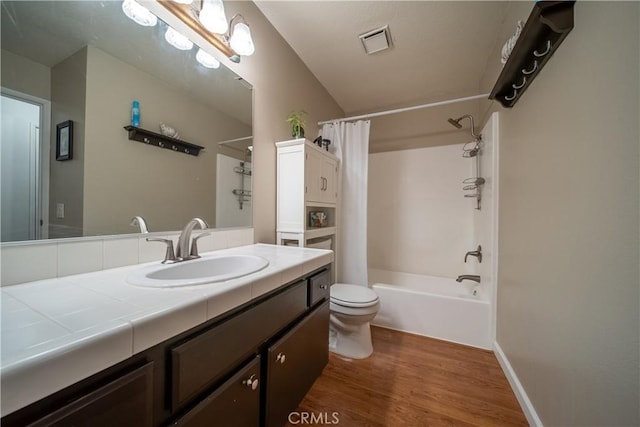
(440,48)
(49,31)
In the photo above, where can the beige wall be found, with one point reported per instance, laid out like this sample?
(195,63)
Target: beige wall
(282,84)
(68,93)
(24,75)
(125,178)
(567,308)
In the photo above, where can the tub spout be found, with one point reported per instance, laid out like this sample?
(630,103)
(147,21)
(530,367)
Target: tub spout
(473,277)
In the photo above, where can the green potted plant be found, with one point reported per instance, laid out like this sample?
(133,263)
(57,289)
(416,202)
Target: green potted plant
(297,122)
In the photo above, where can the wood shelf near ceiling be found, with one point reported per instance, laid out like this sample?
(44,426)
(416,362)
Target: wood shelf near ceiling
(546,28)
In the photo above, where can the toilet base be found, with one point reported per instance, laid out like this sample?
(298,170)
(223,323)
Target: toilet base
(352,341)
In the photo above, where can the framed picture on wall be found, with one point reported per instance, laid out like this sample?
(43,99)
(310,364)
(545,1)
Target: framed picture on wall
(64,140)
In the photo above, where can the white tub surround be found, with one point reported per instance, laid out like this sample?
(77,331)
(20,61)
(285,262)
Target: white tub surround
(56,332)
(436,307)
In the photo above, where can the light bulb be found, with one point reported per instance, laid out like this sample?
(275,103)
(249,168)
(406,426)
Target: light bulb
(177,40)
(241,41)
(207,60)
(138,13)
(212,16)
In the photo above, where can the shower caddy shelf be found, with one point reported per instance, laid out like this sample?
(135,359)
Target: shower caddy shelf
(474,183)
(546,28)
(152,138)
(243,195)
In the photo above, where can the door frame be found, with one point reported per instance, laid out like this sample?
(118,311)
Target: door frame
(44,146)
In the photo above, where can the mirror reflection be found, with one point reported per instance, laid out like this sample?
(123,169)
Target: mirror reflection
(84,63)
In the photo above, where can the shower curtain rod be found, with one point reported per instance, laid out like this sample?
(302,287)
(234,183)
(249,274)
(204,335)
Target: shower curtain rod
(402,110)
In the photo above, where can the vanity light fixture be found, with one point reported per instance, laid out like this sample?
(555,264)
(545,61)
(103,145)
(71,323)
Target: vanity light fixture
(138,13)
(177,40)
(207,60)
(240,37)
(212,16)
(233,39)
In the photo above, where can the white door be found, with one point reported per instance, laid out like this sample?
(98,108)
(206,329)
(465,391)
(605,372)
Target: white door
(20,164)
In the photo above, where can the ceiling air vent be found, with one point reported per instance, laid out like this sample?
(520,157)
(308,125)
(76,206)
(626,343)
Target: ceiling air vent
(376,40)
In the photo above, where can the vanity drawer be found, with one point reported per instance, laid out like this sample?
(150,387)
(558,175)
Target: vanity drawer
(319,287)
(202,360)
(128,399)
(236,403)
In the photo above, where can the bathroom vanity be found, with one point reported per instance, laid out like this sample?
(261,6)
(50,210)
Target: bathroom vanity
(250,365)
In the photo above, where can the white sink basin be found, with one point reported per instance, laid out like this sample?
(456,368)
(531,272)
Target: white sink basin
(200,271)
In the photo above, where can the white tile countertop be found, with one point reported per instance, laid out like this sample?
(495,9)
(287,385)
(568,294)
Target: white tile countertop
(57,332)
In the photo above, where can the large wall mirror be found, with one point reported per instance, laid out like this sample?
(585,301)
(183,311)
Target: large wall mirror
(84,63)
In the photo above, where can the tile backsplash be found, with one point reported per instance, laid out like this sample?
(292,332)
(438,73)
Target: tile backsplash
(29,261)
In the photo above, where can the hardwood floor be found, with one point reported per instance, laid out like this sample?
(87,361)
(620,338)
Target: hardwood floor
(413,381)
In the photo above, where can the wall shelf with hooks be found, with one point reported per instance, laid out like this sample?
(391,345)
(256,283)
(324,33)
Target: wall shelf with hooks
(546,28)
(152,138)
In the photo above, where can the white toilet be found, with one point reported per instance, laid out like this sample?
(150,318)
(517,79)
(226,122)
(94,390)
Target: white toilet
(352,307)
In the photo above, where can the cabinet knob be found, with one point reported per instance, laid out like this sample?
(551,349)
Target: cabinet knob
(281,358)
(323,286)
(252,382)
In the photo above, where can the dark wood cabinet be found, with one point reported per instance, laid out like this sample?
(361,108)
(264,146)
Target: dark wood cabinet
(236,403)
(293,364)
(126,401)
(250,367)
(205,358)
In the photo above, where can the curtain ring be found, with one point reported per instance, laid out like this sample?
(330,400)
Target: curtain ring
(531,71)
(515,92)
(540,55)
(521,85)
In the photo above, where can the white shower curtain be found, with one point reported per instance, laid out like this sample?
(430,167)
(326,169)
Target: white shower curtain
(351,146)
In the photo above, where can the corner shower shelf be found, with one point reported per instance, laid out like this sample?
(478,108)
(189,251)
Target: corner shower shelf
(547,26)
(152,138)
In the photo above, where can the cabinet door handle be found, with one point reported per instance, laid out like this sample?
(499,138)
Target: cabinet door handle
(281,358)
(252,382)
(323,286)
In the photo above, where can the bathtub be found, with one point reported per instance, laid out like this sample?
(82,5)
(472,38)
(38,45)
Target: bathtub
(436,307)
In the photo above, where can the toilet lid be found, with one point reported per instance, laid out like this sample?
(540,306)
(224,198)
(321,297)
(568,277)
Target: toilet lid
(352,295)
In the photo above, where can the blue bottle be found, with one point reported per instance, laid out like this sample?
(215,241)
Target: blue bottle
(135,114)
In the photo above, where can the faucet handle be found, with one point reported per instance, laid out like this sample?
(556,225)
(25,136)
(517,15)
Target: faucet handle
(477,253)
(170,255)
(194,245)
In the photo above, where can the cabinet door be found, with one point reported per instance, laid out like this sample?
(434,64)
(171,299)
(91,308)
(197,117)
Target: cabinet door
(314,183)
(236,403)
(126,401)
(330,177)
(293,364)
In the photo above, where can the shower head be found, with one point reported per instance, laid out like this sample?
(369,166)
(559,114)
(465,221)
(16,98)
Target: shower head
(455,123)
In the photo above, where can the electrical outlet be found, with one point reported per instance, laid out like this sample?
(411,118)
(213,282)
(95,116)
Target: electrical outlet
(60,210)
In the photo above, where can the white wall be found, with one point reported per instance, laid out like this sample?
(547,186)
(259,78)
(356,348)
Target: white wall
(568,289)
(419,222)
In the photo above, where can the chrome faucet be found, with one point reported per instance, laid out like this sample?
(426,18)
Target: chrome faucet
(182,251)
(477,253)
(473,277)
(141,222)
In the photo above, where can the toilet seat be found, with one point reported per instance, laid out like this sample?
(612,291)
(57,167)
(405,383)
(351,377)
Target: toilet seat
(352,296)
